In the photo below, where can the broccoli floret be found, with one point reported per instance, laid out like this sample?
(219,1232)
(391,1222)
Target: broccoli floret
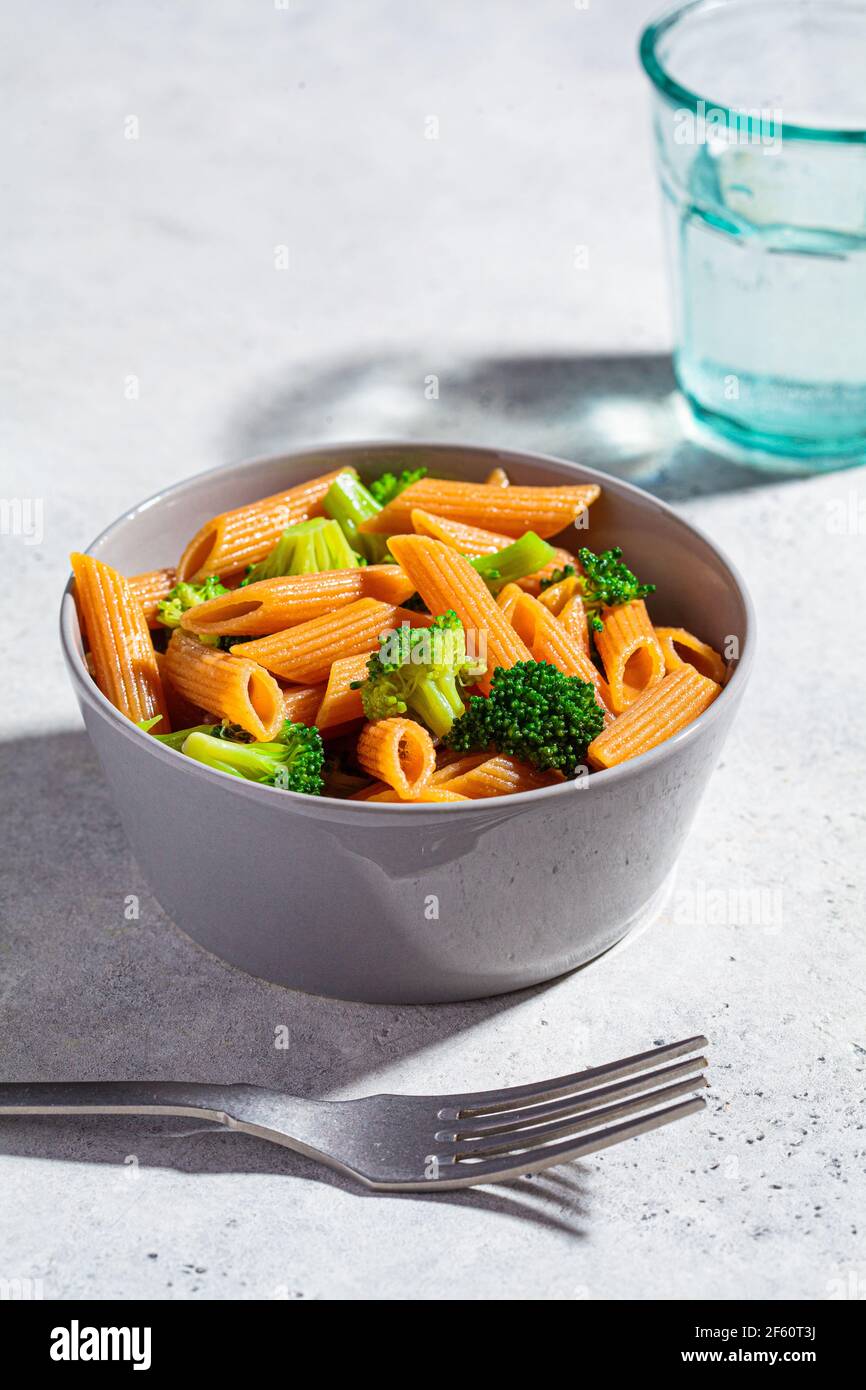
(293,762)
(385,488)
(307,546)
(526,556)
(607,582)
(421,672)
(534,713)
(567,572)
(349,503)
(185,596)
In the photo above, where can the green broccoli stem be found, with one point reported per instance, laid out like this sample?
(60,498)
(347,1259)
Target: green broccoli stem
(348,502)
(526,556)
(438,703)
(178,739)
(240,759)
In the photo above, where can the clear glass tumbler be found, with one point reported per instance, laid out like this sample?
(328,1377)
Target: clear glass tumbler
(759,112)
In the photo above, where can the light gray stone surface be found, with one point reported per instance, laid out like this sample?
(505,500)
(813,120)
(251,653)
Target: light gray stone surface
(153,259)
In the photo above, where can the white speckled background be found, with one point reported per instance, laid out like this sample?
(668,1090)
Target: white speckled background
(153,259)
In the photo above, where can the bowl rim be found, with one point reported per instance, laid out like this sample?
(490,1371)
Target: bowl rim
(87,688)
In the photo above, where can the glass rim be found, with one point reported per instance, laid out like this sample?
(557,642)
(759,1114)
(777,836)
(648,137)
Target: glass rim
(676,92)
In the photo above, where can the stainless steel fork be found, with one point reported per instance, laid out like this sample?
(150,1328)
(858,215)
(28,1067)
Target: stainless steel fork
(416,1143)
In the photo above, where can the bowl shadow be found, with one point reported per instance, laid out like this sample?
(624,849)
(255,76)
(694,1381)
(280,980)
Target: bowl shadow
(619,413)
(99,984)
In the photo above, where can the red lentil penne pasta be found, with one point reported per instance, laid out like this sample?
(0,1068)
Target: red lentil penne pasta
(501,776)
(508,510)
(399,752)
(497,477)
(469,540)
(234,689)
(182,713)
(305,653)
(630,652)
(232,540)
(150,589)
(549,640)
(679,647)
(508,597)
(301,703)
(557,595)
(656,715)
(341,704)
(572,615)
(121,651)
(532,582)
(445,579)
(367,792)
(472,540)
(272,605)
(432,794)
(456,766)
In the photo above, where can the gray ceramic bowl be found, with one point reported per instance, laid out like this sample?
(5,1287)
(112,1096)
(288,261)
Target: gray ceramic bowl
(416,904)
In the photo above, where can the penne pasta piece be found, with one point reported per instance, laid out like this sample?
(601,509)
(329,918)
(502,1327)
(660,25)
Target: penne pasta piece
(121,651)
(565,602)
(457,765)
(445,579)
(508,510)
(150,589)
(472,540)
(236,690)
(469,540)
(372,790)
(497,477)
(548,640)
(508,597)
(232,540)
(572,615)
(305,653)
(557,595)
(301,703)
(272,605)
(679,647)
(532,582)
(399,752)
(182,713)
(341,704)
(501,776)
(630,652)
(432,794)
(656,715)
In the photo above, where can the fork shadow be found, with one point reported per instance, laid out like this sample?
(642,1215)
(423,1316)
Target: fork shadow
(620,413)
(553,1200)
(89,992)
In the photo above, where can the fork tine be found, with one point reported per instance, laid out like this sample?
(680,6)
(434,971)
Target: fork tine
(476,1125)
(488,1102)
(516,1139)
(459,1173)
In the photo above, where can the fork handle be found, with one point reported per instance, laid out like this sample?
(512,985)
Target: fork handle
(120,1098)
